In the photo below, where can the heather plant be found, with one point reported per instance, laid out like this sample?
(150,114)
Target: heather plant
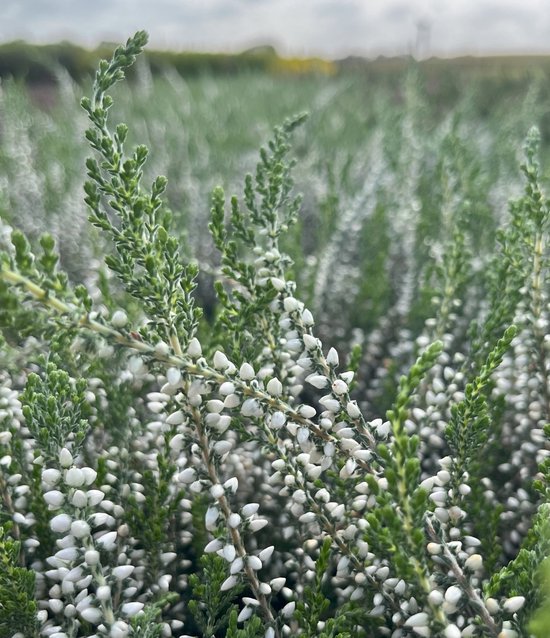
(175,468)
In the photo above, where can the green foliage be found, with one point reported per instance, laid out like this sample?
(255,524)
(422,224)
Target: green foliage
(211,608)
(17,603)
(56,410)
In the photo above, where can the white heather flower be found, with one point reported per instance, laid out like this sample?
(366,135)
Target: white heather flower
(61,523)
(90,475)
(452,631)
(91,557)
(103,592)
(227,388)
(245,614)
(229,553)
(54,498)
(237,565)
(176,418)
(229,583)
(417,620)
(194,349)
(232,401)
(221,362)
(123,571)
(211,516)
(339,387)
(250,509)
(453,594)
(119,319)
(307,411)
(318,381)
(474,562)
(222,447)
(254,562)
(173,376)
(234,520)
(278,419)
(213,546)
(310,342)
(251,408)
(80,529)
(162,349)
(187,476)
(513,604)
(258,524)
(266,554)
(332,357)
(108,540)
(74,477)
(214,405)
(232,484)
(79,499)
(246,372)
(353,410)
(288,610)
(92,615)
(277,583)
(331,404)
(51,476)
(95,497)
(65,458)
(131,609)
(274,387)
(216,491)
(119,630)
(291,304)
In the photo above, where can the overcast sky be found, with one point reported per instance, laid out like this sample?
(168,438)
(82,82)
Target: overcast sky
(302,27)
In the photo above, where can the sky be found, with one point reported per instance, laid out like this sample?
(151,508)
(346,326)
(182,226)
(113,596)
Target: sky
(330,28)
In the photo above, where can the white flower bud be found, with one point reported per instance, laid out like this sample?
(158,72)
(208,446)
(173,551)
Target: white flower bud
(194,349)
(79,499)
(103,592)
(61,523)
(119,319)
(332,357)
(91,557)
(317,381)
(80,529)
(74,477)
(54,498)
(244,614)
(274,387)
(51,476)
(123,571)
(513,604)
(277,583)
(417,620)
(246,372)
(228,583)
(254,562)
(353,410)
(453,594)
(131,609)
(92,615)
(221,362)
(65,458)
(339,387)
(310,342)
(307,411)
(288,610)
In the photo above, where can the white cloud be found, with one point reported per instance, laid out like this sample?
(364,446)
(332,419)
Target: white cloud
(329,27)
